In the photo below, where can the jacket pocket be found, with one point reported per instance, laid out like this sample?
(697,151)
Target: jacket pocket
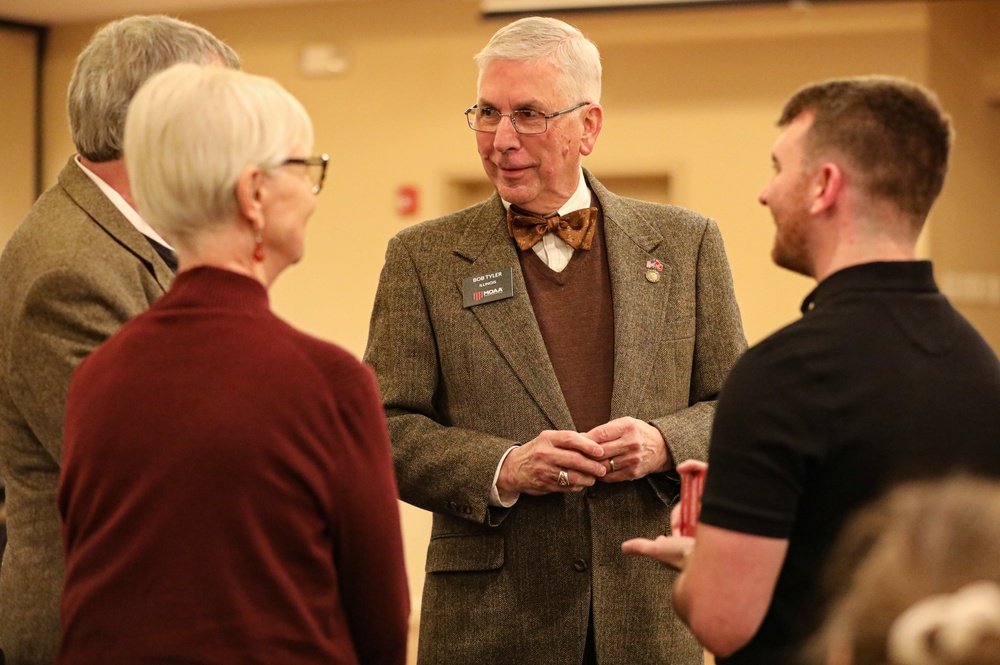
(679,328)
(465,553)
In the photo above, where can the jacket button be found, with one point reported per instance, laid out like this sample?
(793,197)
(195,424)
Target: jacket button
(580,566)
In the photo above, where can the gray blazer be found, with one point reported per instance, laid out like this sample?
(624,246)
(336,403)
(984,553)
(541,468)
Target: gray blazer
(462,385)
(73,272)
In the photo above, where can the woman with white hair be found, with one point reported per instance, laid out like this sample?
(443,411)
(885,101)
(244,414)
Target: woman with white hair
(227,492)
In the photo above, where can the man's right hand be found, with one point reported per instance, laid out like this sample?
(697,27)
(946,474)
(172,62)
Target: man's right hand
(536,467)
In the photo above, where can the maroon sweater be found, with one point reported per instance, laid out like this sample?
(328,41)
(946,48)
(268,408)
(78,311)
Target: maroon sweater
(227,493)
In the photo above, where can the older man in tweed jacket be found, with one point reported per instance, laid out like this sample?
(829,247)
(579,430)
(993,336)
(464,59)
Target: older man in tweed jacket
(541,375)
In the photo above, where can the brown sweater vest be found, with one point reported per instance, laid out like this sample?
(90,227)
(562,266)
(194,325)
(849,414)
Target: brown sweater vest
(575,314)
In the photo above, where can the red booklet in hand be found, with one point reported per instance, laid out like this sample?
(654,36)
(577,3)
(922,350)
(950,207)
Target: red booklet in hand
(692,484)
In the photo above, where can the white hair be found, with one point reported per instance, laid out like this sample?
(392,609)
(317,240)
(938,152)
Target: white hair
(536,37)
(192,130)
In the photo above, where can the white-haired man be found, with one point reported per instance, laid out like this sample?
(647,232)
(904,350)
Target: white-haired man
(544,357)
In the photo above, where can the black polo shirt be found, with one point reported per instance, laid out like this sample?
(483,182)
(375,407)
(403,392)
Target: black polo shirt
(880,380)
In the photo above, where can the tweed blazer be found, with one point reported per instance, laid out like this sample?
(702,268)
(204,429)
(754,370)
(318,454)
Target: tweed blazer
(73,272)
(461,385)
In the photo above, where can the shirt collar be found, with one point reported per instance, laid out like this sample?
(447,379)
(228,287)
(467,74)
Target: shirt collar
(123,207)
(874,276)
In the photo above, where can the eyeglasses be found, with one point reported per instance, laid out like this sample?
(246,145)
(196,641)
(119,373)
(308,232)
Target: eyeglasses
(316,166)
(524,121)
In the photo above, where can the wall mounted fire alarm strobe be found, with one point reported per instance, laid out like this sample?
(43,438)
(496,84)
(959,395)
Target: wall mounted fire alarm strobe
(407,200)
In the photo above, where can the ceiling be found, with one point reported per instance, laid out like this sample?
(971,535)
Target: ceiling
(53,12)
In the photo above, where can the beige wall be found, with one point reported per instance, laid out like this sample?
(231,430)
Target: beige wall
(965,232)
(17,113)
(691,94)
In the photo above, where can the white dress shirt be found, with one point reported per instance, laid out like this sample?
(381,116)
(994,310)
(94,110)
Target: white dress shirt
(551,249)
(123,207)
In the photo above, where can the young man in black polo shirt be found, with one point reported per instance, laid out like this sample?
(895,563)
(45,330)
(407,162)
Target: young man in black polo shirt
(881,380)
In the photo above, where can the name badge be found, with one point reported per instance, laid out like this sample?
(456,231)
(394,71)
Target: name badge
(481,289)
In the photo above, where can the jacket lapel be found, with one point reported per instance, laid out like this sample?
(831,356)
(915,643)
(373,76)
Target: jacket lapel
(511,323)
(640,306)
(104,213)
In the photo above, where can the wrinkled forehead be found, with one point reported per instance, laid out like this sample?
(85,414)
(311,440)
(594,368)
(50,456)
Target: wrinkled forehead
(516,84)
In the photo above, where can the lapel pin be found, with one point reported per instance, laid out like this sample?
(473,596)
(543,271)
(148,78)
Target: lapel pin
(653,270)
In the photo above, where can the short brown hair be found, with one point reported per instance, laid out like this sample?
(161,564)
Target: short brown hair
(893,133)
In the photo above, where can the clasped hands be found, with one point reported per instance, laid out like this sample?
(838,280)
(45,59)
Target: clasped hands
(620,450)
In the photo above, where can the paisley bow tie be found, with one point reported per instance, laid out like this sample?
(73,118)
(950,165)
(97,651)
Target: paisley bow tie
(576,228)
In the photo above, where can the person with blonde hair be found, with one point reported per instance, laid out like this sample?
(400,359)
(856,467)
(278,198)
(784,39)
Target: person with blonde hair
(81,263)
(227,493)
(915,579)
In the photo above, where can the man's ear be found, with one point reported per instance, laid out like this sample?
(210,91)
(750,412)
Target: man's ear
(249,195)
(826,187)
(593,120)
